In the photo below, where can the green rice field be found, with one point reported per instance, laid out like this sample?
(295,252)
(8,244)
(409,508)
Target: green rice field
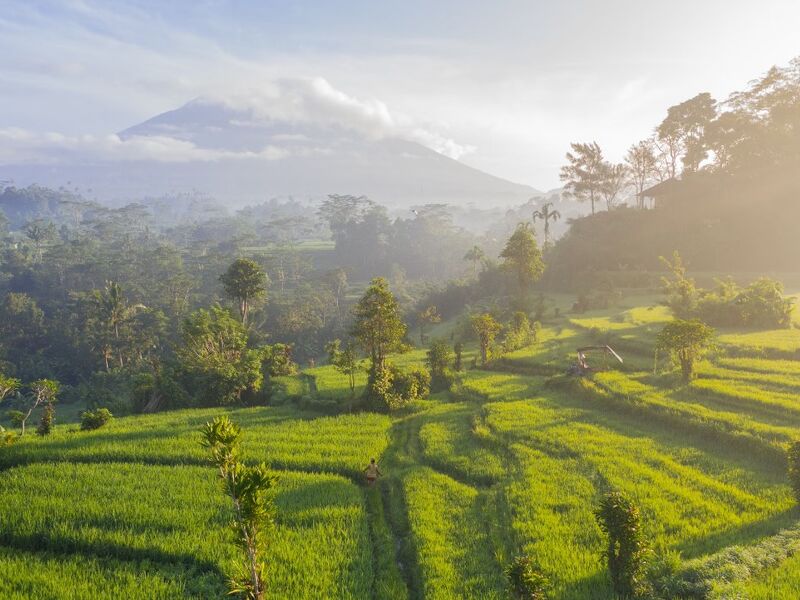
(512,461)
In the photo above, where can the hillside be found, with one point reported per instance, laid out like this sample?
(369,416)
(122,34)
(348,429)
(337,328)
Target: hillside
(239,157)
(514,460)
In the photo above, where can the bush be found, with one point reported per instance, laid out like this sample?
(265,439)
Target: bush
(618,518)
(16,417)
(412,384)
(525,580)
(46,422)
(7,437)
(390,388)
(794,469)
(95,419)
(443,381)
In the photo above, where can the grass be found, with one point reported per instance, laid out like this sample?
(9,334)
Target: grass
(513,460)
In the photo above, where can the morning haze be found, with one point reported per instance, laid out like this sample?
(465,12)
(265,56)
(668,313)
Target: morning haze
(399,300)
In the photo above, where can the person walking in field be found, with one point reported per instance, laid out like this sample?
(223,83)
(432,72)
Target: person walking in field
(372,472)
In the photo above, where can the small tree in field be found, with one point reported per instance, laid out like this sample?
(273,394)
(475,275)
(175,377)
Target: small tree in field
(794,469)
(345,360)
(251,490)
(486,328)
(43,392)
(438,361)
(618,518)
(685,341)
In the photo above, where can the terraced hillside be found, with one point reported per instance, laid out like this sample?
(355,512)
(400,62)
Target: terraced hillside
(513,461)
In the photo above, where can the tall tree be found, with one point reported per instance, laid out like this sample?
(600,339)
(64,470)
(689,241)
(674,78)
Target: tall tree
(546,213)
(377,325)
(681,132)
(475,255)
(641,162)
(245,283)
(615,180)
(40,233)
(583,174)
(522,256)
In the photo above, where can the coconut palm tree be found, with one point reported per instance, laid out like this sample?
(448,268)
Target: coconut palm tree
(546,214)
(475,255)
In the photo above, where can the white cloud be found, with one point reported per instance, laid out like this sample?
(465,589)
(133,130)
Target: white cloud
(19,146)
(316,101)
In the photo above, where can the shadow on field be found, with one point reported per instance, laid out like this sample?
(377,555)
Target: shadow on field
(744,535)
(199,575)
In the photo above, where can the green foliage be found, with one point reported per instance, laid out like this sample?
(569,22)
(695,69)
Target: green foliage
(377,324)
(95,419)
(8,385)
(486,328)
(7,438)
(345,361)
(428,316)
(681,291)
(215,356)
(520,332)
(276,360)
(522,257)
(438,362)
(458,351)
(245,283)
(619,520)
(686,341)
(251,489)
(794,469)
(47,420)
(525,580)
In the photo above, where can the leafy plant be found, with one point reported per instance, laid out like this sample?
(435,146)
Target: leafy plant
(794,469)
(619,519)
(95,419)
(251,489)
(686,341)
(525,580)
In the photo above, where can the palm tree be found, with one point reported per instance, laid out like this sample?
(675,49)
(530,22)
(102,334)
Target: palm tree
(475,255)
(546,214)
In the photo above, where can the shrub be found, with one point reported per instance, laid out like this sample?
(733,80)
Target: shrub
(7,437)
(618,518)
(794,469)
(16,417)
(390,387)
(412,384)
(95,419)
(525,580)
(46,422)
(438,359)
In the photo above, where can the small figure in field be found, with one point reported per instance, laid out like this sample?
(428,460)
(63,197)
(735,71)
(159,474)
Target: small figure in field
(372,472)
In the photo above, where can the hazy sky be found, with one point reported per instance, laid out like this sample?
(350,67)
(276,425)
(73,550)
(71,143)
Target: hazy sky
(503,85)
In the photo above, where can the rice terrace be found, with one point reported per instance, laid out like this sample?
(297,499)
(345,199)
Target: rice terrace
(399,300)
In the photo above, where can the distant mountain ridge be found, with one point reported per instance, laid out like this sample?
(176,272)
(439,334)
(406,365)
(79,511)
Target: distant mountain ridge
(239,157)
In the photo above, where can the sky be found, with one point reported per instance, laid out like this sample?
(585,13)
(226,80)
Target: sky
(503,86)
